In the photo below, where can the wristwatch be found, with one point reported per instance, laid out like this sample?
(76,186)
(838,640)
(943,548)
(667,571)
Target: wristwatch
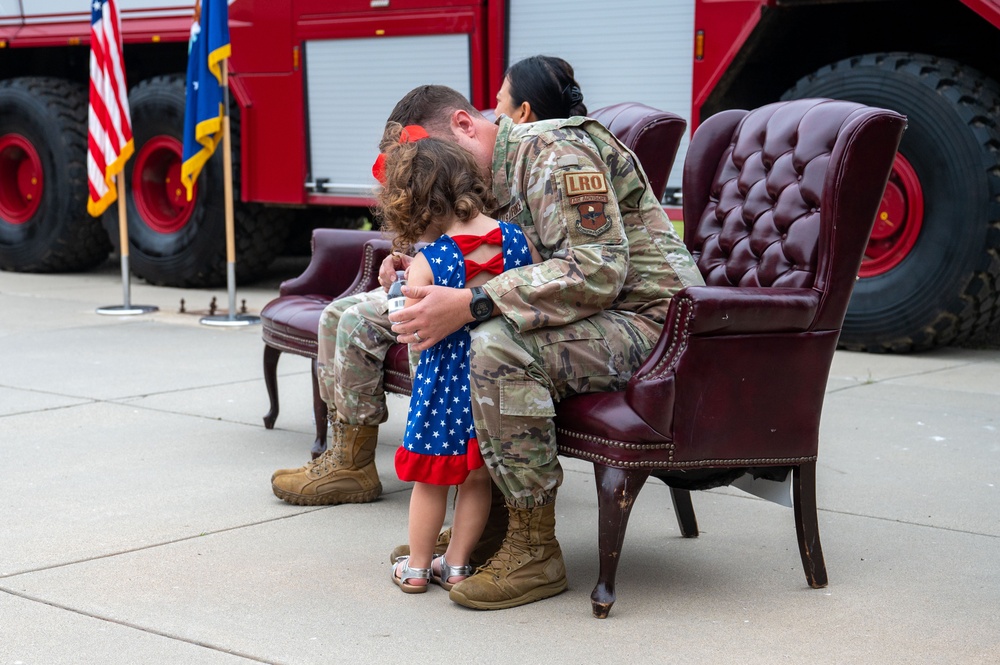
(481,305)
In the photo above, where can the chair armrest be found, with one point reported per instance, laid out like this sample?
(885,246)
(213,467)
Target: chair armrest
(711,311)
(374,252)
(729,310)
(337,258)
(753,316)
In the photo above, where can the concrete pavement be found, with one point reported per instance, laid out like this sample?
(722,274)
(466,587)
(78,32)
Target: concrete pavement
(137,523)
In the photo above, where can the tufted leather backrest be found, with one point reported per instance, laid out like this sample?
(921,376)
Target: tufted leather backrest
(764,191)
(653,135)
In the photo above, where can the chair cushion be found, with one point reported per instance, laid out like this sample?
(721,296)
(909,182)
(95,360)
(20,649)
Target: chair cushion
(601,427)
(290,323)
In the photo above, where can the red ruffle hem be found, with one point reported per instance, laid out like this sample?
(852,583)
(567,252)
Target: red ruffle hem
(438,469)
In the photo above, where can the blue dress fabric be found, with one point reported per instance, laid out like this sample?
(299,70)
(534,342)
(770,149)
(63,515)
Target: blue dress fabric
(439,445)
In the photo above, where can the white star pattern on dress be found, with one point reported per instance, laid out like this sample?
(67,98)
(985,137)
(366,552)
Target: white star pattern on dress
(449,425)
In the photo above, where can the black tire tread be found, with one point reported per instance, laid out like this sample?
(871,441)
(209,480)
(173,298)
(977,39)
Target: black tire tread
(82,243)
(260,231)
(976,308)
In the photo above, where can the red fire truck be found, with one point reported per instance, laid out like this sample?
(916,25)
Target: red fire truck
(313,80)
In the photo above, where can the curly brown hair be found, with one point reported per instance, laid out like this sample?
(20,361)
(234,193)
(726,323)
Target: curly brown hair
(426,182)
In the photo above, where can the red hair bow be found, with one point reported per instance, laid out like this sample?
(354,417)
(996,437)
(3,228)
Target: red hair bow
(410,134)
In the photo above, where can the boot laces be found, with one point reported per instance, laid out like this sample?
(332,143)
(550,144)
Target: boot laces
(324,463)
(515,548)
(334,457)
(337,447)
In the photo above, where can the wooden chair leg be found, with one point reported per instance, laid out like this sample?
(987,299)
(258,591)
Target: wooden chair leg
(319,413)
(684,510)
(616,492)
(271,356)
(806,524)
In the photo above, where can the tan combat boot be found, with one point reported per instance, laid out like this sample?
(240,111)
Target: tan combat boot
(489,542)
(284,472)
(345,473)
(528,566)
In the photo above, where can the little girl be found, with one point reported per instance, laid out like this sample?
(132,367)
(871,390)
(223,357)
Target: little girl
(434,192)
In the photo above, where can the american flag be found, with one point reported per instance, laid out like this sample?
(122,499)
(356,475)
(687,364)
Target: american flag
(109,128)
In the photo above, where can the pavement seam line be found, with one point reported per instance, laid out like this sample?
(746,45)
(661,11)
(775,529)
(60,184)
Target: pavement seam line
(747,497)
(128,624)
(871,382)
(304,511)
(153,394)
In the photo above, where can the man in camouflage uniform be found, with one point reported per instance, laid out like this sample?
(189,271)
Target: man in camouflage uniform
(581,321)
(354,338)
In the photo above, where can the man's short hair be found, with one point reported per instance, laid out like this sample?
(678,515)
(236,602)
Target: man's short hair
(430,106)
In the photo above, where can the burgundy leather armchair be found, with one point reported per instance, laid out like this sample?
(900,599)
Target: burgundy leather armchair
(341,265)
(778,206)
(345,262)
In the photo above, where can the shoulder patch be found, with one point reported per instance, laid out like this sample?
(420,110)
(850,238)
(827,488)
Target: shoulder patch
(592,220)
(585,182)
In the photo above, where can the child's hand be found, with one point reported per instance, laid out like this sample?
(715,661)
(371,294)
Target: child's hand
(392,263)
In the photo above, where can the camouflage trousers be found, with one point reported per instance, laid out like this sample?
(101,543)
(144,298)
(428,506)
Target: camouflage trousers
(518,377)
(354,338)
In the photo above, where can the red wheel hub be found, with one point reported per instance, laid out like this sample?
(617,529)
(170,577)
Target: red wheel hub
(21,179)
(157,189)
(898,223)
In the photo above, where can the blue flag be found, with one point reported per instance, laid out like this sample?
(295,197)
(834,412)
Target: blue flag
(204,111)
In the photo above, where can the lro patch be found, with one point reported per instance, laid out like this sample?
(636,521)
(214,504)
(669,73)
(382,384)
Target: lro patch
(585,182)
(588,191)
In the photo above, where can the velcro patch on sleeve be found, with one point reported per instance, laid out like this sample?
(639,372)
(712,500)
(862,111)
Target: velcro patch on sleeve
(579,183)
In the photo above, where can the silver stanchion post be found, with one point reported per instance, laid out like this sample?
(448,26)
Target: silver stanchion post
(232,318)
(127,308)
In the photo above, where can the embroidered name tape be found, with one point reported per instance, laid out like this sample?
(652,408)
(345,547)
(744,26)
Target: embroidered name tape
(583,182)
(512,212)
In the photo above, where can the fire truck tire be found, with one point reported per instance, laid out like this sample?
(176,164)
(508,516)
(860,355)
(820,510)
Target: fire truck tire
(180,243)
(945,289)
(44,224)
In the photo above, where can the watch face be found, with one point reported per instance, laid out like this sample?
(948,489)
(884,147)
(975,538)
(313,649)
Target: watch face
(481,305)
(481,308)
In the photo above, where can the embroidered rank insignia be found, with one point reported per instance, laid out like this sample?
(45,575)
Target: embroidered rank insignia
(585,182)
(592,220)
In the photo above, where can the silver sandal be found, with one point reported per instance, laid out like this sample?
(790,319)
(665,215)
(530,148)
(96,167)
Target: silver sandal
(407,573)
(447,572)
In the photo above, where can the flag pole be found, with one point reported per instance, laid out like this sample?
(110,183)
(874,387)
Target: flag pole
(127,308)
(232,318)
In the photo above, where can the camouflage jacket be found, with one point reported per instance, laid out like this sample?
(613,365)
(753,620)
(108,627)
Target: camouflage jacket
(605,241)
